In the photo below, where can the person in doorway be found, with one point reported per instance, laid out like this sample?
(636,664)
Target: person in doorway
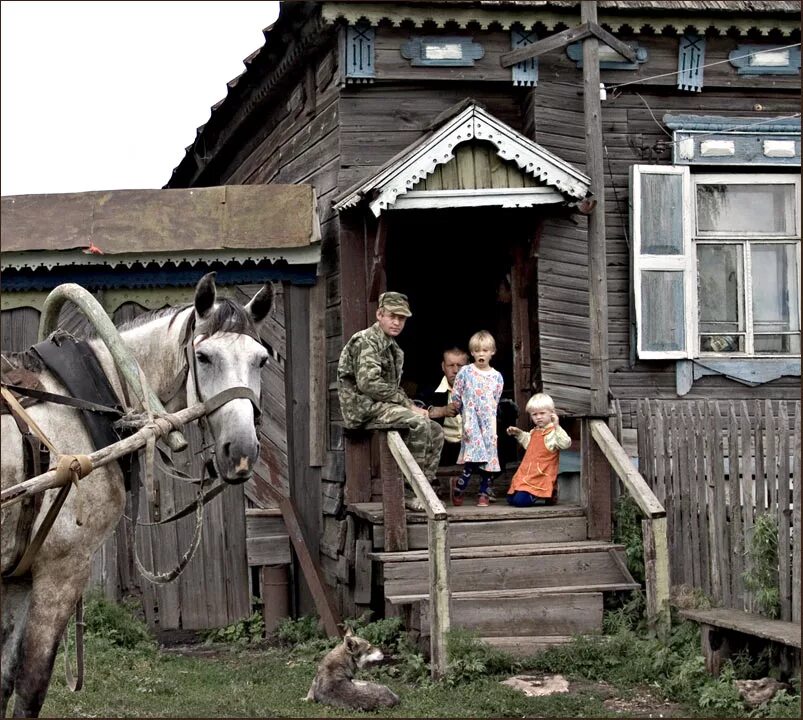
(368,386)
(477,390)
(441,409)
(536,480)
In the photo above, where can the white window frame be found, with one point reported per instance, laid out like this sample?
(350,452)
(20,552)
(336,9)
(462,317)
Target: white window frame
(684,263)
(687,262)
(745,239)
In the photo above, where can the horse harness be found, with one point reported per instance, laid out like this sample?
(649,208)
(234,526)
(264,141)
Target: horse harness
(74,363)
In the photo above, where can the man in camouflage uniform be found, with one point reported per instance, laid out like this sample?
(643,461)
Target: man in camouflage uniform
(368,385)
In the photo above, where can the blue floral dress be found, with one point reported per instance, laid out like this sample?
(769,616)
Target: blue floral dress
(476,394)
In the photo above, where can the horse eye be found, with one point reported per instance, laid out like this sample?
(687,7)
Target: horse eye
(202,358)
(263,361)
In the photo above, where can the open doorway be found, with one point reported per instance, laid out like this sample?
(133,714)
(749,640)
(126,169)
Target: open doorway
(455,267)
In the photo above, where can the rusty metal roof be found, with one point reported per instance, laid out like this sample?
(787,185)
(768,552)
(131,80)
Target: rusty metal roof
(254,221)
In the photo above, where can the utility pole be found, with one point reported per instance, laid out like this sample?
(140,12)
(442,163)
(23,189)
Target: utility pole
(597,262)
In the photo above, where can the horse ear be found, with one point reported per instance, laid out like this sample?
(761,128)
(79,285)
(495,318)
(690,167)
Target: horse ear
(261,303)
(205,294)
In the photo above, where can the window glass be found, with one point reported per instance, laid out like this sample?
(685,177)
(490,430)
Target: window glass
(719,288)
(759,209)
(662,214)
(662,310)
(775,298)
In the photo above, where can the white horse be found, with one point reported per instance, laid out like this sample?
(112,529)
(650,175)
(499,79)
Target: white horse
(226,351)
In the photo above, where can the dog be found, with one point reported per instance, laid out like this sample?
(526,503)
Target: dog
(334,683)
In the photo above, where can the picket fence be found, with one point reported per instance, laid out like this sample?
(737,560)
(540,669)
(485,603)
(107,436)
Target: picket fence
(717,467)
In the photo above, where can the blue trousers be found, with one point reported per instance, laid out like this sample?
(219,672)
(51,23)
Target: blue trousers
(521,498)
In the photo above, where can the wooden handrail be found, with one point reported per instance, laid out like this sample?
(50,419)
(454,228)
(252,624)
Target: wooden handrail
(653,526)
(440,591)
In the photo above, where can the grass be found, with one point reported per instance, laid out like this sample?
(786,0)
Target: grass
(127,675)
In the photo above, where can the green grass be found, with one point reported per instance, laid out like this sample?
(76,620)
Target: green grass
(128,676)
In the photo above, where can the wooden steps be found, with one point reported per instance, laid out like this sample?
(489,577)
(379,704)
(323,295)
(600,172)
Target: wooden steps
(522,579)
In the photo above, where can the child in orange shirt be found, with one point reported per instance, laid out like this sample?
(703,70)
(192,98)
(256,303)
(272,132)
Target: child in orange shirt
(535,482)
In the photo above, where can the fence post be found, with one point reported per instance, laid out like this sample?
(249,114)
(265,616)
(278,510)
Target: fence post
(656,574)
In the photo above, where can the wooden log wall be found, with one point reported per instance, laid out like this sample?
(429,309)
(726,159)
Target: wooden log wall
(717,467)
(632,133)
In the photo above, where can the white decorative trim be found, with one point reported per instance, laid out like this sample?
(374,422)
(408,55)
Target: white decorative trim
(472,123)
(397,13)
(779,148)
(77,258)
(717,148)
(481,197)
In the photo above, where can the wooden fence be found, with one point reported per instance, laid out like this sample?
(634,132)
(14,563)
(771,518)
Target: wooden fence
(717,467)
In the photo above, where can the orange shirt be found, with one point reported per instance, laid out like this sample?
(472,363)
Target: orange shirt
(538,471)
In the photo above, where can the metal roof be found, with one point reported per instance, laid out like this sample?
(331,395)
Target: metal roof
(231,223)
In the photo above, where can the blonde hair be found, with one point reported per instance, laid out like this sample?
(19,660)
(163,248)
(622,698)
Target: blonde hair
(478,339)
(539,401)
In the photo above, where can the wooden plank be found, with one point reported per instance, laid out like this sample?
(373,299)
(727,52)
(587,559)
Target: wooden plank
(761,483)
(719,506)
(703,511)
(735,454)
(748,497)
(553,42)
(519,593)
(782,631)
(689,524)
(392,498)
(796,527)
(656,572)
(372,512)
(440,592)
(770,448)
(522,349)
(784,512)
(362,572)
(268,550)
(317,375)
(496,551)
(545,614)
(632,479)
(467,534)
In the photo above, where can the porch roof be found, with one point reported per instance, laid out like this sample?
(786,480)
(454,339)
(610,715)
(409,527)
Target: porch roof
(468,121)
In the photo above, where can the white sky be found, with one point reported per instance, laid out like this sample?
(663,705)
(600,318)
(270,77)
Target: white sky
(106,95)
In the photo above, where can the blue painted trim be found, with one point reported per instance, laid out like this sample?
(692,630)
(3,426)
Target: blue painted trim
(524,73)
(413,50)
(104,278)
(748,371)
(575,52)
(360,44)
(691,59)
(743,67)
(735,124)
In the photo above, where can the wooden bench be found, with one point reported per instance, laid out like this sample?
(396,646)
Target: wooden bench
(725,630)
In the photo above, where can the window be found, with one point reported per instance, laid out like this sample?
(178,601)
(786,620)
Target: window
(716,263)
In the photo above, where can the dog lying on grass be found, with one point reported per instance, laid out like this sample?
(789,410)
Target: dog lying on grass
(334,683)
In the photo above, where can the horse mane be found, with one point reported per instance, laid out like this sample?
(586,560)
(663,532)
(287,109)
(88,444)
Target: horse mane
(26,359)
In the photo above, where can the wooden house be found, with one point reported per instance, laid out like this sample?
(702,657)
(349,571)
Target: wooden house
(617,248)
(611,188)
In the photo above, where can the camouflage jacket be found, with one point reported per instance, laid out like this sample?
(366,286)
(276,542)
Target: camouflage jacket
(369,373)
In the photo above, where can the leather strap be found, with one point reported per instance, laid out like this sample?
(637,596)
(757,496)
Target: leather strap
(63,399)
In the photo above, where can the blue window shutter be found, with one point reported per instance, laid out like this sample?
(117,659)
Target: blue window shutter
(360,52)
(691,58)
(525,73)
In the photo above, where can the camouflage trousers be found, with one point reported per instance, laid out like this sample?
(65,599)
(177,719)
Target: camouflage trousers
(423,437)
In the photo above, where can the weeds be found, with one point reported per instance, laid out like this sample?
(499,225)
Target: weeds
(118,624)
(470,659)
(761,578)
(627,532)
(243,632)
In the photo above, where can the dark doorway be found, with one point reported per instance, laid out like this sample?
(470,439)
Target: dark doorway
(455,266)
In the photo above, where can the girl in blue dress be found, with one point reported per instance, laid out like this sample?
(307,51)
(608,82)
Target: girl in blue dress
(476,394)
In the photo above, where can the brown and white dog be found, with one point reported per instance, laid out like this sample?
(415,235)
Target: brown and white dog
(334,683)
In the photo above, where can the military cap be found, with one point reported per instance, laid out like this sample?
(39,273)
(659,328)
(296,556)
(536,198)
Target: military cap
(395,302)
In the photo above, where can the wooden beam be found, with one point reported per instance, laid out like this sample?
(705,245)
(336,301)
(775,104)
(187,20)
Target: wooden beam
(309,566)
(392,497)
(377,281)
(597,257)
(615,43)
(553,42)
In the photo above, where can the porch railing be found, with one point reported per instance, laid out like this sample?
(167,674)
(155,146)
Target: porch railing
(653,525)
(395,456)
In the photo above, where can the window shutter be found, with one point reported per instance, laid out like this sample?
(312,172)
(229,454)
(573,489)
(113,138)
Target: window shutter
(663,277)
(525,73)
(691,58)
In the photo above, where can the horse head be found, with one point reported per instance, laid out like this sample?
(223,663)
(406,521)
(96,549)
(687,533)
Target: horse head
(225,354)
